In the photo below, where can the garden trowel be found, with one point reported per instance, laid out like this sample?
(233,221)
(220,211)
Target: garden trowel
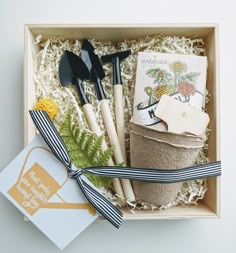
(96,75)
(72,70)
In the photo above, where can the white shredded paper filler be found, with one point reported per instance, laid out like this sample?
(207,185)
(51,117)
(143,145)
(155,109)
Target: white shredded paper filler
(47,85)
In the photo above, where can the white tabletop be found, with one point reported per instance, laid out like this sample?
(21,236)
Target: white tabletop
(193,236)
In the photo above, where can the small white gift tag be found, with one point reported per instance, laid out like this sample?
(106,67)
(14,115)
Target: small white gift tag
(180,117)
(40,187)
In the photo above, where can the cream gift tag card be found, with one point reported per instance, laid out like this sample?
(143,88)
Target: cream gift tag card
(180,76)
(180,117)
(39,186)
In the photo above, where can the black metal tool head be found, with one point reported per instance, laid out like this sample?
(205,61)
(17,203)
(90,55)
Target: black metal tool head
(94,65)
(115,59)
(121,55)
(72,70)
(71,67)
(92,61)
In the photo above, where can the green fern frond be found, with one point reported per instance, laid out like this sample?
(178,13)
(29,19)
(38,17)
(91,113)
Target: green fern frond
(76,132)
(82,138)
(105,156)
(84,148)
(89,139)
(66,127)
(94,149)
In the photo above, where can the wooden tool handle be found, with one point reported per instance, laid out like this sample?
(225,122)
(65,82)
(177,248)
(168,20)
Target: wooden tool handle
(111,130)
(112,134)
(119,114)
(92,121)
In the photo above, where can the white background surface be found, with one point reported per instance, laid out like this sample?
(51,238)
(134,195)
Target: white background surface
(144,236)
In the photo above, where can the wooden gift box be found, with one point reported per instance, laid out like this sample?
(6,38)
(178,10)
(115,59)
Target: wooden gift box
(210,205)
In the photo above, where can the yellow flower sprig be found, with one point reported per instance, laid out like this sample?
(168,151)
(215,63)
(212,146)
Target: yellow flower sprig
(47,105)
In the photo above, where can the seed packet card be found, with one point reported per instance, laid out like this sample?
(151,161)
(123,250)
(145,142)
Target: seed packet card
(180,76)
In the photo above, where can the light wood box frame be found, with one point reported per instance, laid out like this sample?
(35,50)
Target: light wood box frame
(209,207)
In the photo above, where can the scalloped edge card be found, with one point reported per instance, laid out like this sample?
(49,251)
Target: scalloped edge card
(39,186)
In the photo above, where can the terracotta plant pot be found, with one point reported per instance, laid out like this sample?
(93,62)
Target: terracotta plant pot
(151,148)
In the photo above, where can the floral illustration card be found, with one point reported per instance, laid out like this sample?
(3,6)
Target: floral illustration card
(180,76)
(39,186)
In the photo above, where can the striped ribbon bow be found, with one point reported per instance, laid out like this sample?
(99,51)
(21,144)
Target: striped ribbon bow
(100,203)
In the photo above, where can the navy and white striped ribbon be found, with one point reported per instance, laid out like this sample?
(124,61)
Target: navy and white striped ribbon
(102,205)
(159,176)
(57,146)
